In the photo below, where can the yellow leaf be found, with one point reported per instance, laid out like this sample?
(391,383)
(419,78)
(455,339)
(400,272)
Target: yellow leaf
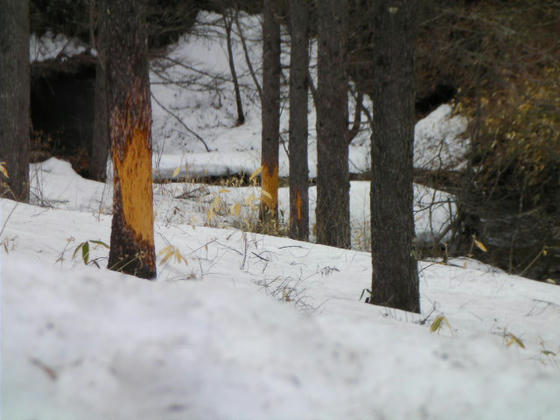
(224,190)
(510,339)
(3,169)
(179,257)
(255,174)
(266,194)
(235,209)
(438,323)
(167,253)
(480,245)
(165,250)
(176,172)
(171,251)
(250,200)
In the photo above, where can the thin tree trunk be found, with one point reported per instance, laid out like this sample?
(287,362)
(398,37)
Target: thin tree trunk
(299,176)
(270,115)
(228,23)
(128,101)
(333,185)
(247,57)
(395,272)
(14,99)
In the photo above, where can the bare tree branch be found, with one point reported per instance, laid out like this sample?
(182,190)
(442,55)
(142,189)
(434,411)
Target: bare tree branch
(180,122)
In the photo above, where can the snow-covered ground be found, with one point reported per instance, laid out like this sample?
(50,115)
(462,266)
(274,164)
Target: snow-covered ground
(55,184)
(245,326)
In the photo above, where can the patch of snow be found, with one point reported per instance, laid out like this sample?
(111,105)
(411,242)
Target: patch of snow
(439,142)
(51,46)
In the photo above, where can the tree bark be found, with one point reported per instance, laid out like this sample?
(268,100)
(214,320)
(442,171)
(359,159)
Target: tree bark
(299,173)
(270,114)
(14,99)
(333,185)
(395,272)
(101,142)
(128,102)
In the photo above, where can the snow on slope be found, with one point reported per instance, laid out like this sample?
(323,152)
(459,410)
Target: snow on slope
(55,184)
(207,339)
(203,99)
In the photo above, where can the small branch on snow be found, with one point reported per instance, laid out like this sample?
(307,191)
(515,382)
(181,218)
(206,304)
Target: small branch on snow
(180,122)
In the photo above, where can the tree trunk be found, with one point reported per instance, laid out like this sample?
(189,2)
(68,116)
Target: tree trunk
(228,24)
(395,272)
(299,176)
(333,186)
(128,102)
(270,115)
(14,99)
(101,141)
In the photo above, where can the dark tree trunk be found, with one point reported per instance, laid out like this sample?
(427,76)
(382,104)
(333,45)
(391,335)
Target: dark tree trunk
(299,176)
(14,99)
(270,114)
(395,272)
(228,24)
(333,186)
(128,102)
(101,141)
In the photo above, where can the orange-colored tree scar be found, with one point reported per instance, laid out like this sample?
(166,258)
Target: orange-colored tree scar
(299,205)
(269,196)
(135,175)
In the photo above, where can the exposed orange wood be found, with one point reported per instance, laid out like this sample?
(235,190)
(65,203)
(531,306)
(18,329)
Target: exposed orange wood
(135,174)
(269,185)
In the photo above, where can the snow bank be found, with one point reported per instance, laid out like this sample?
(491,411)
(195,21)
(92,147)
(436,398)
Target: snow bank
(207,339)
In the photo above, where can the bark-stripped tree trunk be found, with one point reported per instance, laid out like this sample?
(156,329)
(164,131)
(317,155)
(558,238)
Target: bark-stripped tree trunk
(333,186)
(395,272)
(299,63)
(14,99)
(270,114)
(128,100)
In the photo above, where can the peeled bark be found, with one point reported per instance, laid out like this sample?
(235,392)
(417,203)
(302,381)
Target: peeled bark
(270,114)
(14,99)
(395,272)
(299,176)
(128,102)
(333,184)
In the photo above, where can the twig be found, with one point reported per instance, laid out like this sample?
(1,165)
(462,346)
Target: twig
(246,53)
(181,122)
(8,218)
(258,256)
